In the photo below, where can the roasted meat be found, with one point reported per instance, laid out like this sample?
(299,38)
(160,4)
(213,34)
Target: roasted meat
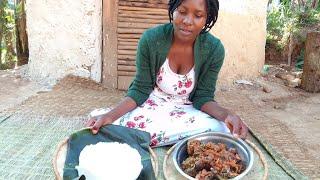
(208,161)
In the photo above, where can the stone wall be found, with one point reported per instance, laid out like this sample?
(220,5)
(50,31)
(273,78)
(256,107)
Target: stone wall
(64,38)
(241,26)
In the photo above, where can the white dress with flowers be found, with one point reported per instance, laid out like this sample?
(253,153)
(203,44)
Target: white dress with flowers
(167,114)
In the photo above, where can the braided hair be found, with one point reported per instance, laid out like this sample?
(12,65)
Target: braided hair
(212,12)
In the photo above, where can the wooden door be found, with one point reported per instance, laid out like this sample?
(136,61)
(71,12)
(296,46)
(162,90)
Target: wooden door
(122,28)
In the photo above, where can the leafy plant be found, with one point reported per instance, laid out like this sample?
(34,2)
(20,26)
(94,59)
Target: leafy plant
(13,38)
(7,37)
(289,18)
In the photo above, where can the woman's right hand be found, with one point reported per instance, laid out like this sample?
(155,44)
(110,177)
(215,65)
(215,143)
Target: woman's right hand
(95,123)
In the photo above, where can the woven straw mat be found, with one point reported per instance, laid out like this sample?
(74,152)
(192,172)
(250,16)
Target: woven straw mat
(30,132)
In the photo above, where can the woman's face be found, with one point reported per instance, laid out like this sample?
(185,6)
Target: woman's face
(189,19)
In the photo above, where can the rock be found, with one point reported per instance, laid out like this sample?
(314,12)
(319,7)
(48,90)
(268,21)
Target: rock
(293,83)
(285,76)
(297,74)
(280,75)
(266,89)
(279,106)
(265,86)
(276,107)
(285,67)
(18,77)
(290,80)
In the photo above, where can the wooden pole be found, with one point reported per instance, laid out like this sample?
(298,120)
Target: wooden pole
(311,68)
(109,51)
(1,32)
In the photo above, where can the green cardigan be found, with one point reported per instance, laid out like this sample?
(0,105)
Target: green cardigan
(152,51)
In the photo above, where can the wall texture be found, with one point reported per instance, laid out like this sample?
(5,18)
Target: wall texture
(241,26)
(64,38)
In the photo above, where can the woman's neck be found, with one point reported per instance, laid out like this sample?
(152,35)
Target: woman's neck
(178,42)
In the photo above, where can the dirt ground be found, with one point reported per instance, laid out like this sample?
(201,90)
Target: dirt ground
(282,108)
(15,87)
(288,118)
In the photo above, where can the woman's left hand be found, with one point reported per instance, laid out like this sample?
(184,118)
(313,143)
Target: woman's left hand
(236,126)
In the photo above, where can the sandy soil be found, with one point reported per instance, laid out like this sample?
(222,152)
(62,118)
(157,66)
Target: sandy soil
(294,108)
(15,87)
(288,117)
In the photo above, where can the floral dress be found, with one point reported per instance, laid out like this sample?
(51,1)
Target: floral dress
(167,114)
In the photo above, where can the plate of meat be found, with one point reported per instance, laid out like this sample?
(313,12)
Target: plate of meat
(212,155)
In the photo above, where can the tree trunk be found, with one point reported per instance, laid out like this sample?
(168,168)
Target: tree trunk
(21,34)
(311,70)
(1,28)
(290,48)
(314,4)
(11,49)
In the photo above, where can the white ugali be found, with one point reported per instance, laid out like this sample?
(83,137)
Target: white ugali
(109,160)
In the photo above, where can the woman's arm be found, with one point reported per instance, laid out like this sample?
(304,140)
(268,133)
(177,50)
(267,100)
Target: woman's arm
(215,110)
(138,91)
(233,122)
(142,85)
(126,105)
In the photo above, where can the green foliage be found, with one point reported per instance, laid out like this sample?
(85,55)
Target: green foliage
(288,19)
(7,37)
(19,9)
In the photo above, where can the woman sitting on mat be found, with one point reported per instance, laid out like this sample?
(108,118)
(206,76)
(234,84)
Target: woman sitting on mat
(171,96)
